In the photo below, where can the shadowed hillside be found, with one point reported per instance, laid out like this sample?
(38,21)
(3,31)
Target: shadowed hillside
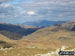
(14,31)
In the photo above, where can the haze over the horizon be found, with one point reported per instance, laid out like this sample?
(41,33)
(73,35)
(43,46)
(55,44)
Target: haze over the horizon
(19,11)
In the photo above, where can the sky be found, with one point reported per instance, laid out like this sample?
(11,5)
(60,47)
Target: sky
(20,11)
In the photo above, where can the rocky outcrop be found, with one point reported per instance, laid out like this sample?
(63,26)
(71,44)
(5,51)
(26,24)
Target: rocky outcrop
(68,26)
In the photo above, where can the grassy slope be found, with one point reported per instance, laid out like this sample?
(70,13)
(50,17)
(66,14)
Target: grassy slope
(22,52)
(51,37)
(5,42)
(17,50)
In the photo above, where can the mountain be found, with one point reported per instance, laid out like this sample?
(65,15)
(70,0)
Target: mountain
(53,37)
(42,23)
(15,31)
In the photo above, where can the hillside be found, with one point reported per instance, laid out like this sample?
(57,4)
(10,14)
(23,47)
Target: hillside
(53,37)
(6,42)
(45,42)
(15,31)
(68,26)
(42,23)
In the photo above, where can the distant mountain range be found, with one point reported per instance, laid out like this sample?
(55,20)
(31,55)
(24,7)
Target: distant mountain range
(42,23)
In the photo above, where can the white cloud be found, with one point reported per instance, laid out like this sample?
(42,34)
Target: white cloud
(5,5)
(31,12)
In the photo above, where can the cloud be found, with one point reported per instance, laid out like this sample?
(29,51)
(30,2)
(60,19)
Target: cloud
(5,5)
(31,13)
(45,9)
(5,1)
(23,12)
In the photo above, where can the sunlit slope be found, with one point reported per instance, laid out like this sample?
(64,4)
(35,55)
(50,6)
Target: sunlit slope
(6,42)
(4,38)
(52,37)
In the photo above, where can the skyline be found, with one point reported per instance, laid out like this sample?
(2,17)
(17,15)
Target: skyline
(20,11)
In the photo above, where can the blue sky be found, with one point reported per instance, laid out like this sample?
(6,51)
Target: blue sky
(19,11)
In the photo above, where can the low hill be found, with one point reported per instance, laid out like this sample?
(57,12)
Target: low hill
(53,37)
(15,31)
